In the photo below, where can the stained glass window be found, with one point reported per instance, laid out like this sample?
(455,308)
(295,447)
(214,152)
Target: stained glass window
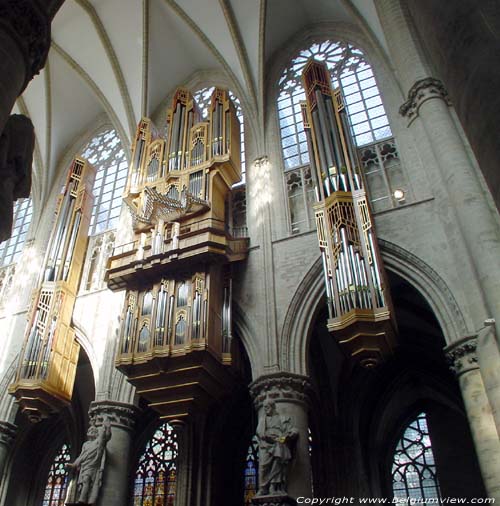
(11,249)
(349,70)
(203,97)
(251,471)
(156,474)
(105,153)
(414,468)
(57,481)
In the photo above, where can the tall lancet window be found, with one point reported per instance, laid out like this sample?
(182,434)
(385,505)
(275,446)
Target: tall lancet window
(203,97)
(156,474)
(57,481)
(106,154)
(251,472)
(11,249)
(414,468)
(349,70)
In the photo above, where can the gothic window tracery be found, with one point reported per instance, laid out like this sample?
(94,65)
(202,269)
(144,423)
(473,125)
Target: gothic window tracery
(414,467)
(156,475)
(11,249)
(57,481)
(106,154)
(251,472)
(349,70)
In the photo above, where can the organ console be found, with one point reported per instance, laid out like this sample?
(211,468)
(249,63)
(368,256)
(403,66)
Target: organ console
(359,304)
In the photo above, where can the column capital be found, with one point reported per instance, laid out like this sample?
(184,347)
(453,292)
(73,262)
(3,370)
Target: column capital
(423,90)
(28,23)
(121,415)
(7,433)
(462,355)
(281,387)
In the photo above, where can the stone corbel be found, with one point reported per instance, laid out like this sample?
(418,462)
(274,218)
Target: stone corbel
(422,91)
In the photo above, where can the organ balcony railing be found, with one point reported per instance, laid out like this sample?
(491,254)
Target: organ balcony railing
(176,345)
(46,371)
(359,304)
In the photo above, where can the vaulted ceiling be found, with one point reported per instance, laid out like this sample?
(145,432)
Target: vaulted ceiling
(122,57)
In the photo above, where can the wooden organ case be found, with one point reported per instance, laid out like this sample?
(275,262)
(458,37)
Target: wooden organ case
(46,371)
(359,304)
(175,343)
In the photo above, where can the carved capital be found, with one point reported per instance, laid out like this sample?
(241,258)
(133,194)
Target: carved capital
(7,433)
(28,23)
(420,92)
(282,387)
(462,356)
(121,415)
(261,161)
(273,500)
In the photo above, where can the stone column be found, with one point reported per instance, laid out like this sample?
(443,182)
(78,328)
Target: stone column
(183,491)
(115,487)
(463,359)
(291,394)
(7,435)
(459,192)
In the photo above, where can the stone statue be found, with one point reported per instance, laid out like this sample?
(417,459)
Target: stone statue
(89,465)
(276,437)
(16,155)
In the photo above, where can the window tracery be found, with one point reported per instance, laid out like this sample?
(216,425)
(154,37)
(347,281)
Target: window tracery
(352,73)
(414,467)
(106,154)
(251,472)
(156,475)
(57,481)
(11,249)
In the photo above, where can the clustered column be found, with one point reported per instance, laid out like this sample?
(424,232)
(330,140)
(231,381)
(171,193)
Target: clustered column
(462,356)
(291,395)
(115,487)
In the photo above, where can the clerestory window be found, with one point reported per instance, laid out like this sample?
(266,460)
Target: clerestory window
(11,249)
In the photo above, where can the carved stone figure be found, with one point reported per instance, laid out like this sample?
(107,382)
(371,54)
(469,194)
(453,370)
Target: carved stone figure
(276,436)
(16,155)
(89,465)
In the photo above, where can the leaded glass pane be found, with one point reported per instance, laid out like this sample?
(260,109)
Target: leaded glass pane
(251,471)
(105,153)
(414,468)
(57,481)
(11,249)
(156,474)
(347,65)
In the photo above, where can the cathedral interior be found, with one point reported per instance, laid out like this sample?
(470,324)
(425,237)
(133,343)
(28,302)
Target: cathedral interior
(251,252)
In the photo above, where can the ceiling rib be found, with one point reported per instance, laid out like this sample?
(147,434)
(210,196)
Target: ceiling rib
(100,95)
(48,118)
(115,65)
(145,57)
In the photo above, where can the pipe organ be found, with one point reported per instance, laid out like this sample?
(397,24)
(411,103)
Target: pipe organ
(360,313)
(175,341)
(47,366)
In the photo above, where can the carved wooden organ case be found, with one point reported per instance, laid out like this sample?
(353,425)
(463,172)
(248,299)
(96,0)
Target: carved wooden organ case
(359,304)
(46,371)
(175,343)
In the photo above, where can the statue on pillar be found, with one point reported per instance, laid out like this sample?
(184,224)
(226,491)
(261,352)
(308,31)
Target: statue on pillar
(276,436)
(89,466)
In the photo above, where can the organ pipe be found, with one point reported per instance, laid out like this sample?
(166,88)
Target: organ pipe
(358,298)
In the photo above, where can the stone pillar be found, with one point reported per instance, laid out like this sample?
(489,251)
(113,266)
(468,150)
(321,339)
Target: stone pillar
(183,491)
(463,359)
(459,190)
(115,487)
(291,394)
(7,435)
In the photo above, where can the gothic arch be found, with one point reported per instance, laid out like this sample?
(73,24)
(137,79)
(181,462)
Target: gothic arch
(309,295)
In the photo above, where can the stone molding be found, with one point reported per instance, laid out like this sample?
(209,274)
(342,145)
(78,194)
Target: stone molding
(121,415)
(7,433)
(281,387)
(462,355)
(29,25)
(420,92)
